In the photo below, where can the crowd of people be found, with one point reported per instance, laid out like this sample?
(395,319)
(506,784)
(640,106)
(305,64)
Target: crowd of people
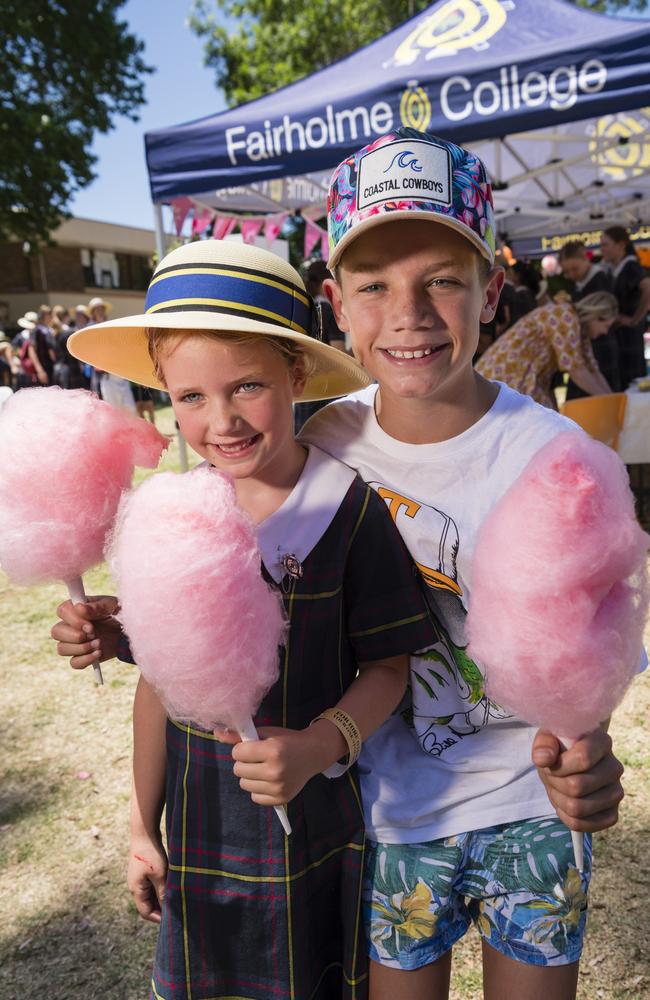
(38,355)
(592,329)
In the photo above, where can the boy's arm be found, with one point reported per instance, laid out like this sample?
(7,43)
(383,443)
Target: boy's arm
(87,633)
(147,859)
(277,767)
(583,783)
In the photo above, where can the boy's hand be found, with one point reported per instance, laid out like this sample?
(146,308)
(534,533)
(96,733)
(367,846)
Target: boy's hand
(278,765)
(584,782)
(87,633)
(146,877)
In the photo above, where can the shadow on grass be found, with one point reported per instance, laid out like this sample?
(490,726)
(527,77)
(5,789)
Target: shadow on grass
(82,950)
(25,792)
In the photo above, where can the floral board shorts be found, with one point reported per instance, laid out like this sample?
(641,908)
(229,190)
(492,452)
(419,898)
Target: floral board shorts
(516,882)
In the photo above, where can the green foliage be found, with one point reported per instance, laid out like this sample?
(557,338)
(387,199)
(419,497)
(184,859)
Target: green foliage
(275,42)
(257,46)
(69,68)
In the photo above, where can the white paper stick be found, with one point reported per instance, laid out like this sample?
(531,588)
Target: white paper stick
(577,838)
(248,732)
(78,596)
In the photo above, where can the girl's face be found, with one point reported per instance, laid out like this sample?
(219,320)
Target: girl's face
(233,403)
(612,252)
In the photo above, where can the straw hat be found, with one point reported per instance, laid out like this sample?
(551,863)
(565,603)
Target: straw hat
(96,302)
(226,287)
(84,310)
(28,321)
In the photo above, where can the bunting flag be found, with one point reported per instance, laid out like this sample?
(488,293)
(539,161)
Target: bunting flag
(250,228)
(313,235)
(325,247)
(273,225)
(202,219)
(223,226)
(180,208)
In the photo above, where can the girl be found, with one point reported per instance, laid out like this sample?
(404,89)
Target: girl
(248,912)
(632,291)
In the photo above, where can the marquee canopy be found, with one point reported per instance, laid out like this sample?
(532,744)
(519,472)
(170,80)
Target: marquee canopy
(551,96)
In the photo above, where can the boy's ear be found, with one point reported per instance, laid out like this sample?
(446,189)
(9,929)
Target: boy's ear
(491,293)
(332,290)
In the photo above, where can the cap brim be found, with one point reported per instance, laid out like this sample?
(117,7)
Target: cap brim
(411,215)
(120,347)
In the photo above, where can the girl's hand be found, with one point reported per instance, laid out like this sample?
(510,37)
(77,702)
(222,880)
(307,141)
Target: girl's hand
(87,633)
(146,877)
(278,765)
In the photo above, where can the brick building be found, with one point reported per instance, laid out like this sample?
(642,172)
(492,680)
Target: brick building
(89,259)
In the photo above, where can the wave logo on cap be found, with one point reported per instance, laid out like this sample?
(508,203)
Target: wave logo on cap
(458,24)
(404,160)
(409,170)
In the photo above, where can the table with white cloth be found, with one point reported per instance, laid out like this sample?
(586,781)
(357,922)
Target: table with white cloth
(634,439)
(634,445)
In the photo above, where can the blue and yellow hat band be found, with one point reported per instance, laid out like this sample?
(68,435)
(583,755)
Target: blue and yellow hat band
(231,290)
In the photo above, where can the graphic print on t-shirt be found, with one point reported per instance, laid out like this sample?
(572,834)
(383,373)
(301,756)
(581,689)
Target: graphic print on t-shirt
(448,698)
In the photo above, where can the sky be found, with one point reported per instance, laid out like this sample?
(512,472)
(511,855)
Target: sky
(180,90)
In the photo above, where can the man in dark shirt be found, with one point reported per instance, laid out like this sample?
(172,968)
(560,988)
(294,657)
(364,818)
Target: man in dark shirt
(586,278)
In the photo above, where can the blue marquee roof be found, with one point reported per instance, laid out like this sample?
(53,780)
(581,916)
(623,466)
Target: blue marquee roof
(464,69)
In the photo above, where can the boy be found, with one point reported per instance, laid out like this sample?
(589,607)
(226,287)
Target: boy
(460,824)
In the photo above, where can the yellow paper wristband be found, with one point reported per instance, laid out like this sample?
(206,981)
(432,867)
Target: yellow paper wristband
(348,729)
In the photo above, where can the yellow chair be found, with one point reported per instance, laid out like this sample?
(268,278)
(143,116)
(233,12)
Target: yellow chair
(600,416)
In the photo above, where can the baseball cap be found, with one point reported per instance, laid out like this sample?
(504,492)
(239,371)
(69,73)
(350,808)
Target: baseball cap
(407,174)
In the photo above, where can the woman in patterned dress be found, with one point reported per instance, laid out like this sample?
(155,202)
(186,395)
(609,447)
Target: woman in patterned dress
(554,338)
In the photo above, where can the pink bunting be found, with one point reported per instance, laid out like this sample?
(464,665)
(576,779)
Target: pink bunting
(250,228)
(180,208)
(313,234)
(223,226)
(273,225)
(325,247)
(202,219)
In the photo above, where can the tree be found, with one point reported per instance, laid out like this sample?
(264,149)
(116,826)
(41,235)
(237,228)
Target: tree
(276,42)
(69,68)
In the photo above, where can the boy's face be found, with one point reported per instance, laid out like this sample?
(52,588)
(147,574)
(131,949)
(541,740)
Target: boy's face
(412,295)
(575,268)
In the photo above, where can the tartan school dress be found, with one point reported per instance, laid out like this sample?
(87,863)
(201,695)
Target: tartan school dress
(251,914)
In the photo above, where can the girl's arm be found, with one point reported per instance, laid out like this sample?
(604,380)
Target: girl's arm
(277,767)
(642,309)
(147,859)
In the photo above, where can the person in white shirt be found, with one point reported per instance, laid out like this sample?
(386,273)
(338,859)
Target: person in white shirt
(456,791)
(113,389)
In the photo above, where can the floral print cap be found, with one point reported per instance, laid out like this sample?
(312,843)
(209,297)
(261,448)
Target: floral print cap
(408,174)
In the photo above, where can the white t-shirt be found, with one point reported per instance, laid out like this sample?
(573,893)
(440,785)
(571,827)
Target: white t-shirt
(460,763)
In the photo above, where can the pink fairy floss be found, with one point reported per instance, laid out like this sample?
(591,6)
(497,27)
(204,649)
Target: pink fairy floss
(65,458)
(559,589)
(189,579)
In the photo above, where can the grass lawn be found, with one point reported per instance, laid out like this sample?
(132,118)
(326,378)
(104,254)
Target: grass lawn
(68,928)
